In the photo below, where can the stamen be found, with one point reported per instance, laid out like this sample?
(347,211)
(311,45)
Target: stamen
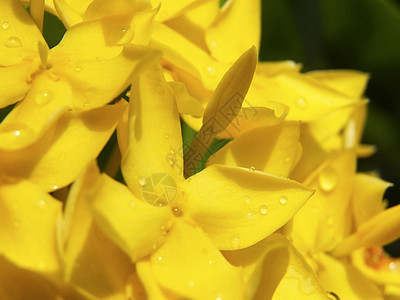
(43,53)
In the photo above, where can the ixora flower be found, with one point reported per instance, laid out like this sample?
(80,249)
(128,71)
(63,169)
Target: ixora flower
(162,221)
(86,70)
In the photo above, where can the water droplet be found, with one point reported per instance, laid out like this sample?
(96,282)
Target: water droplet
(5,25)
(211,71)
(13,42)
(214,44)
(142,181)
(218,298)
(191,284)
(67,59)
(201,194)
(393,266)
(132,204)
(228,191)
(12,131)
(159,258)
(250,215)
(247,199)
(43,98)
(177,212)
(78,69)
(170,159)
(210,262)
(283,200)
(252,168)
(54,187)
(301,103)
(235,242)
(263,210)
(122,35)
(167,136)
(41,202)
(328,179)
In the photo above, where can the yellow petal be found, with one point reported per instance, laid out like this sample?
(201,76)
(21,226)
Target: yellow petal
(87,55)
(68,146)
(153,289)
(99,9)
(326,218)
(12,279)
(376,265)
(184,54)
(16,86)
(235,30)
(238,207)
(186,103)
(138,228)
(367,197)
(381,229)
(192,267)
(252,117)
(269,149)
(155,142)
(223,107)
(170,8)
(344,280)
(306,97)
(313,155)
(28,227)
(351,83)
(71,12)
(202,15)
(276,270)
(46,101)
(92,261)
(18,35)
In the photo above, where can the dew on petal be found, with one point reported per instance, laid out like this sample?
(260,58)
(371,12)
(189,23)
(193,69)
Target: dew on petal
(328,179)
(177,212)
(210,262)
(252,168)
(283,200)
(167,136)
(211,71)
(263,210)
(235,242)
(13,42)
(43,98)
(78,69)
(214,44)
(142,181)
(159,258)
(5,25)
(15,130)
(122,35)
(132,204)
(170,159)
(228,191)
(301,103)
(42,202)
(191,284)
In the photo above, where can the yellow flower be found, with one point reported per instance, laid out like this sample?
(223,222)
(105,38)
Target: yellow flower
(167,217)
(56,158)
(86,70)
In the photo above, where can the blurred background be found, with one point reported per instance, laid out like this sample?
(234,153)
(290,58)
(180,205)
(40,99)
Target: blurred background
(348,34)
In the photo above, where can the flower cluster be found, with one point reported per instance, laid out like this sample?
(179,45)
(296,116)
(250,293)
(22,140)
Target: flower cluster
(278,212)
